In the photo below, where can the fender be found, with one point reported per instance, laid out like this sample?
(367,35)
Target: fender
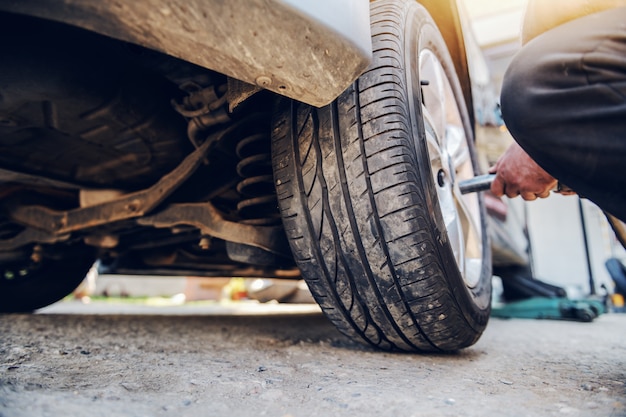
(308,50)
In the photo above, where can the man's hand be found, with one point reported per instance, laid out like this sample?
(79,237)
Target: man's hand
(517,174)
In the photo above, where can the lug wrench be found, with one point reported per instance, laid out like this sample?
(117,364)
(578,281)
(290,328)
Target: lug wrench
(483,183)
(476,184)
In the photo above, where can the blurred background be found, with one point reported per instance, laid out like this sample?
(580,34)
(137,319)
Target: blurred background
(570,239)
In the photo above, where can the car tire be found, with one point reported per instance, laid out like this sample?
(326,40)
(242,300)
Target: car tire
(368,191)
(27,285)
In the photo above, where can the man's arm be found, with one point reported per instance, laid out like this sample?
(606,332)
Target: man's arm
(543,15)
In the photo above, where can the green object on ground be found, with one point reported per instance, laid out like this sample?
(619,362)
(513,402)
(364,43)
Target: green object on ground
(551,308)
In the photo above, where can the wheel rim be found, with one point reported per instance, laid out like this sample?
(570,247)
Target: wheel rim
(451,162)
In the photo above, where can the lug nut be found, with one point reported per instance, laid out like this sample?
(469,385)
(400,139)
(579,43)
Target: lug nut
(441,178)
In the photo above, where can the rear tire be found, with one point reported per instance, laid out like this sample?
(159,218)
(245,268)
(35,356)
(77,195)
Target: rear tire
(26,285)
(367,188)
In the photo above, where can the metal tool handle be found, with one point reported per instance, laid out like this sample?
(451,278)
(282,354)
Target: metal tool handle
(483,183)
(479,183)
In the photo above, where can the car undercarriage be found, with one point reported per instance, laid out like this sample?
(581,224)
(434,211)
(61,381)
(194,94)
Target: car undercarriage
(120,152)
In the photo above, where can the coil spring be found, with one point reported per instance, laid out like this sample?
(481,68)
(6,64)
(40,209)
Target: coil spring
(259,205)
(205,108)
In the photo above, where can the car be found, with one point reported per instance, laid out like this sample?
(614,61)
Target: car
(322,140)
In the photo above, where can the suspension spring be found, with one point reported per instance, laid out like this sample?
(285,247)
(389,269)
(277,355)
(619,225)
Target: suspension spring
(259,205)
(206,110)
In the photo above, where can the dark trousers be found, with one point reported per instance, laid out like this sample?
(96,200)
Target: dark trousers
(564,101)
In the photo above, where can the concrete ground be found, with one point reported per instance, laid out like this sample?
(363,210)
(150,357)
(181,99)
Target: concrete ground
(280,360)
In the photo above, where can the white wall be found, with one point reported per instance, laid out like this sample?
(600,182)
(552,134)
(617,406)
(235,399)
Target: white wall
(557,242)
